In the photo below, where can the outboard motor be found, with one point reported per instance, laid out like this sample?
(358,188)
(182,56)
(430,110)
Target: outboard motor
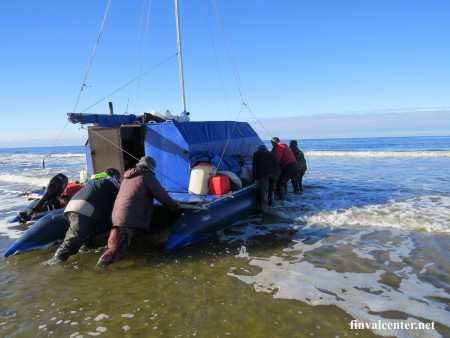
(54,189)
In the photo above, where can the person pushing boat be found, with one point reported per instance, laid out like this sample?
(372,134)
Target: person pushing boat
(133,208)
(89,212)
(297,180)
(288,166)
(265,173)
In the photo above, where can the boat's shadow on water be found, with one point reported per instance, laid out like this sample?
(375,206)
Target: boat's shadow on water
(285,224)
(269,232)
(266,234)
(280,228)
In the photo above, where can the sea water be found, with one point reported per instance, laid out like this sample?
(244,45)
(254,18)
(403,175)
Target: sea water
(362,251)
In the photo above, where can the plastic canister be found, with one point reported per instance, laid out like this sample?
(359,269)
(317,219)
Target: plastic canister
(219,185)
(83,176)
(198,183)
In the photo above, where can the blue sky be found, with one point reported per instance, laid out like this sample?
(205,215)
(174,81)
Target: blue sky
(307,69)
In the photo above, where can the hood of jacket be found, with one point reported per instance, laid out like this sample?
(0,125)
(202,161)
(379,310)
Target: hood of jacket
(133,172)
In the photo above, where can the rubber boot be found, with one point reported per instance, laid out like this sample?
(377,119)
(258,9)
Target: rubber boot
(118,243)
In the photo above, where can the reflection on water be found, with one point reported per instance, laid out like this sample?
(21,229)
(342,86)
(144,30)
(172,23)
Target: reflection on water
(268,277)
(367,240)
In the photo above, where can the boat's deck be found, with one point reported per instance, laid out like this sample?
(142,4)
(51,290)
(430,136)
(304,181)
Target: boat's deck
(188,200)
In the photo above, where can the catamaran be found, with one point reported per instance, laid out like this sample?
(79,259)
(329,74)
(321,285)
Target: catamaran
(206,165)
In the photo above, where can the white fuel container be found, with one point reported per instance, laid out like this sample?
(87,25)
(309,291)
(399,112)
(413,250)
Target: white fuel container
(198,182)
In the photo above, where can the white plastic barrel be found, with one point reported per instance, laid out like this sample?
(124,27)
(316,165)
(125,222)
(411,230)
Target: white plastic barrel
(83,176)
(198,183)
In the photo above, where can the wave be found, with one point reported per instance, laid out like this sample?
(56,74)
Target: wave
(40,156)
(428,154)
(31,180)
(427,213)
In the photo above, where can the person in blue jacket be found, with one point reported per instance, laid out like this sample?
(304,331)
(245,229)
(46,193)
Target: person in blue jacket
(89,212)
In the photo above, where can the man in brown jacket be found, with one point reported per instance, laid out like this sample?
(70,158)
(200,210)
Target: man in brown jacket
(133,208)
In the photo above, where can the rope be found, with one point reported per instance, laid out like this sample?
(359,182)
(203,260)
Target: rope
(137,48)
(143,53)
(136,52)
(137,159)
(130,82)
(81,89)
(83,84)
(216,59)
(256,119)
(233,65)
(235,70)
(226,145)
(230,55)
(53,145)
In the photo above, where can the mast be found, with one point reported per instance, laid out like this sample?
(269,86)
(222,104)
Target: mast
(180,59)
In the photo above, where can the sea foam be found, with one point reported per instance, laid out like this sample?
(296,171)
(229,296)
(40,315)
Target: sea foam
(362,294)
(426,154)
(426,213)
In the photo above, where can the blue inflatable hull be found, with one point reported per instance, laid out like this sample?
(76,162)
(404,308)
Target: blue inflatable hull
(189,227)
(193,225)
(48,230)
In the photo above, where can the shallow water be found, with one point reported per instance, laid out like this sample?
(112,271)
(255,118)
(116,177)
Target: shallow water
(366,241)
(266,279)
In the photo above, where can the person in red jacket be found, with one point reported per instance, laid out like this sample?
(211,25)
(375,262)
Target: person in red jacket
(133,208)
(288,165)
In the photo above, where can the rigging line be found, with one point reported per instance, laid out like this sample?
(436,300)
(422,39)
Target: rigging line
(143,53)
(236,75)
(54,143)
(216,59)
(61,161)
(115,145)
(256,119)
(83,84)
(137,159)
(230,55)
(136,51)
(226,144)
(234,67)
(130,82)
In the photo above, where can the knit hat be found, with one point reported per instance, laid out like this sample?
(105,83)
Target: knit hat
(262,147)
(147,161)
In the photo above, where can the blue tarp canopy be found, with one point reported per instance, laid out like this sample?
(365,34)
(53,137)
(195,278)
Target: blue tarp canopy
(102,120)
(173,145)
(176,145)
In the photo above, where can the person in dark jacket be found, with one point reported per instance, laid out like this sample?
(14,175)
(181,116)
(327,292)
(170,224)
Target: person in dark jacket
(133,208)
(288,165)
(265,173)
(297,181)
(89,212)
